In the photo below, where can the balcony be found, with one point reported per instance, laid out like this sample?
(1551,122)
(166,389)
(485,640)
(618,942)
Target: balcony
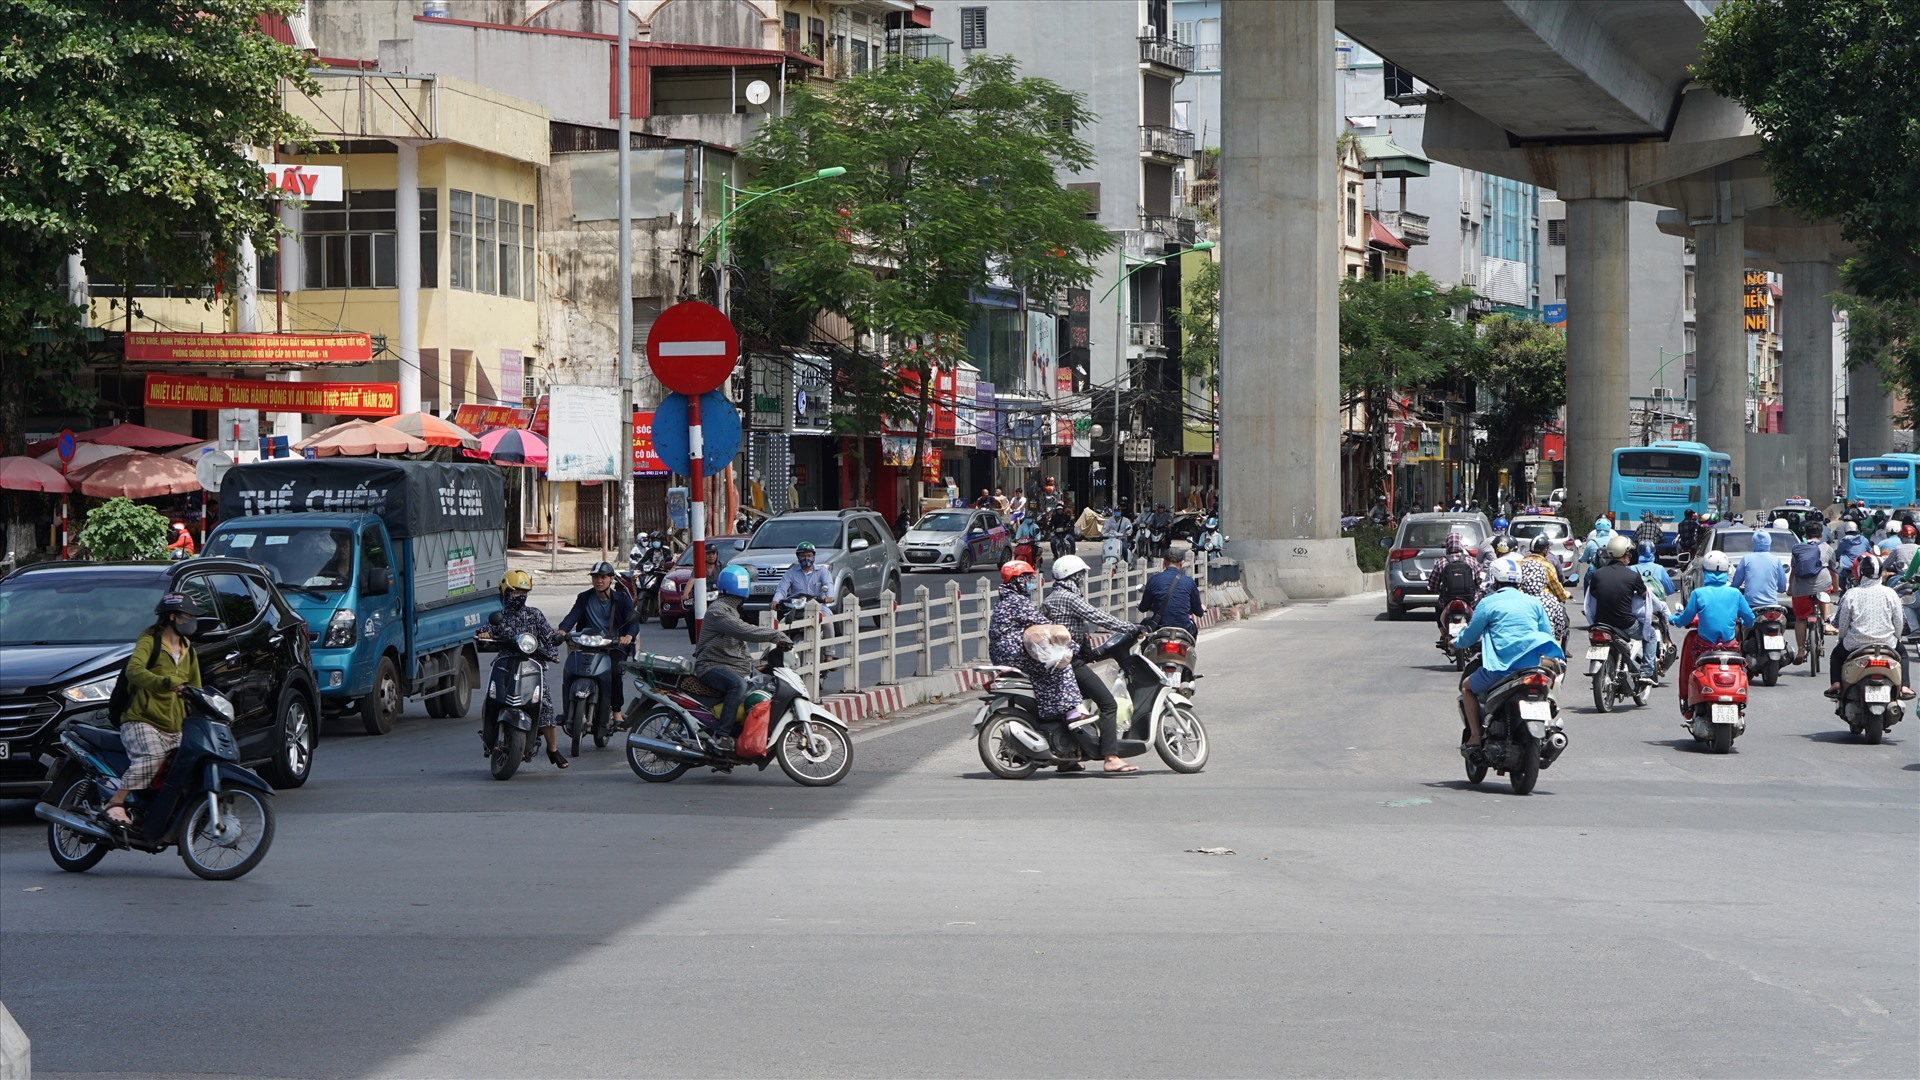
(1173,144)
(1203,193)
(916,43)
(1140,245)
(1206,57)
(1174,230)
(1411,228)
(1167,53)
(1151,336)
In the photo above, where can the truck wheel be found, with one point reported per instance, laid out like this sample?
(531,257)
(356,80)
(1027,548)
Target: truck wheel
(381,706)
(463,683)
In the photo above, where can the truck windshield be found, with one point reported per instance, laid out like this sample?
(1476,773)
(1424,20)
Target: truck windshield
(307,558)
(97,607)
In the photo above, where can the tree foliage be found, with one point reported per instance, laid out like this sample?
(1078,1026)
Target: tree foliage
(1200,318)
(123,529)
(1398,335)
(951,184)
(125,127)
(1522,363)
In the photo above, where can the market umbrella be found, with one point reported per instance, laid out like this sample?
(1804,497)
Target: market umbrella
(84,454)
(192,451)
(432,429)
(134,435)
(27,474)
(514,446)
(134,476)
(358,438)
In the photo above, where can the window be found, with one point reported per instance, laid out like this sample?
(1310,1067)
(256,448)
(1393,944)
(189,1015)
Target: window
(509,248)
(234,604)
(1559,286)
(429,238)
(1353,209)
(973,28)
(486,278)
(460,239)
(526,251)
(1183,32)
(816,39)
(351,247)
(1556,232)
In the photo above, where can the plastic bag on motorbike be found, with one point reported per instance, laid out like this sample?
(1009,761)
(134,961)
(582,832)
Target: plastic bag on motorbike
(753,736)
(1050,644)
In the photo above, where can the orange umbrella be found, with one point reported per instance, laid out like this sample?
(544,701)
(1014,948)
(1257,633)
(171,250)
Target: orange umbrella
(134,476)
(358,438)
(26,474)
(436,432)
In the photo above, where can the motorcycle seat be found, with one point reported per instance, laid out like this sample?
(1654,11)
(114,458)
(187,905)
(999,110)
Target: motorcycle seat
(1720,658)
(99,738)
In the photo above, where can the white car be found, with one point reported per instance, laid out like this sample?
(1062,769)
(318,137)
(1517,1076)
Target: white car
(1738,543)
(1564,545)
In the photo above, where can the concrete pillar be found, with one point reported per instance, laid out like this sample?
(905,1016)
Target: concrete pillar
(406,270)
(1593,183)
(1869,414)
(246,289)
(293,270)
(1720,340)
(1280,302)
(1808,376)
(77,292)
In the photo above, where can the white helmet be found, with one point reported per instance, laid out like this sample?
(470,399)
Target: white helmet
(1715,563)
(1506,570)
(1066,566)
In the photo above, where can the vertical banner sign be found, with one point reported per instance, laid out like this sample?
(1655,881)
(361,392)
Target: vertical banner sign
(645,461)
(1077,353)
(586,433)
(1756,302)
(513,379)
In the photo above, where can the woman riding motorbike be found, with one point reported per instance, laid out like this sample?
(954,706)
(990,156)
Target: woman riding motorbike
(1064,605)
(523,618)
(162,665)
(1055,694)
(1539,578)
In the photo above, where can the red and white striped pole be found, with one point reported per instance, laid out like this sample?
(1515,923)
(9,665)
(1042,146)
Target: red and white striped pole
(697,513)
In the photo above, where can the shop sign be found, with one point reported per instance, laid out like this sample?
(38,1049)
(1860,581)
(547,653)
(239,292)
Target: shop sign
(645,461)
(308,183)
(326,399)
(480,419)
(1756,301)
(166,347)
(812,394)
(897,452)
(985,418)
(513,375)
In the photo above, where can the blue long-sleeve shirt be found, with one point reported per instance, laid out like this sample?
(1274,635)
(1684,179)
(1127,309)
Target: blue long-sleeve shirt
(1512,630)
(1714,609)
(1761,577)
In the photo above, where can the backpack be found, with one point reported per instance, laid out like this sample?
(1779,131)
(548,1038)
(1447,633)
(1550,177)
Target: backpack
(1458,578)
(1650,573)
(1806,559)
(123,687)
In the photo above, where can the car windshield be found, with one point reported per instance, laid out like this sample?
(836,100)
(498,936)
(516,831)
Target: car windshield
(789,533)
(308,557)
(94,607)
(1742,542)
(727,549)
(944,522)
(1527,530)
(1433,534)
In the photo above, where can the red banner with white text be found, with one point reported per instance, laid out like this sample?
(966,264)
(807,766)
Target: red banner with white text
(326,399)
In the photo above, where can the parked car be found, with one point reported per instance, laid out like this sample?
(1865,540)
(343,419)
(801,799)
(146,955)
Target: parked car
(1421,540)
(1565,546)
(853,546)
(956,540)
(67,628)
(675,596)
(1738,543)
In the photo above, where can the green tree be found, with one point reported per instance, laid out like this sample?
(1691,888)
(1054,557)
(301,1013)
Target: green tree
(1522,363)
(123,529)
(1397,336)
(952,182)
(125,127)
(1200,318)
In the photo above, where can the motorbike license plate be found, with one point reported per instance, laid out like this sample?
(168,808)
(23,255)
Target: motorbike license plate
(1536,710)
(1774,642)
(1876,695)
(1726,714)
(1597,652)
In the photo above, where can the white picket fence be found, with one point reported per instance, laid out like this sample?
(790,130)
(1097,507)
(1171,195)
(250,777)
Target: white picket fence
(954,619)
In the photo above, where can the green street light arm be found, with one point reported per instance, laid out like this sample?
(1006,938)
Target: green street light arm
(1204,245)
(824,174)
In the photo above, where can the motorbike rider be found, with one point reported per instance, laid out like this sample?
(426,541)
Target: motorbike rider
(162,665)
(1688,532)
(1648,531)
(608,611)
(1846,550)
(1513,632)
(722,659)
(1716,611)
(1066,606)
(1455,577)
(181,546)
(1617,598)
(1212,540)
(519,618)
(1900,561)
(1759,575)
(1117,527)
(1540,579)
(1659,586)
(804,580)
(1380,515)
(1593,553)
(1056,695)
(1869,614)
(1805,588)
(1170,596)
(1017,507)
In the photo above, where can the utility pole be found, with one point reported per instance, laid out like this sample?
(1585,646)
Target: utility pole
(624,489)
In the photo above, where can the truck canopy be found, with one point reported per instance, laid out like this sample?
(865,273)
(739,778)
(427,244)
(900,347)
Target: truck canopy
(412,498)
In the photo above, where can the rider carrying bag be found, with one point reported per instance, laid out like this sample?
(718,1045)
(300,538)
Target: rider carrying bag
(1458,578)
(1806,559)
(123,687)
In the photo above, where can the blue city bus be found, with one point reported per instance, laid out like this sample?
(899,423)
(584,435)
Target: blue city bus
(1668,478)
(1883,482)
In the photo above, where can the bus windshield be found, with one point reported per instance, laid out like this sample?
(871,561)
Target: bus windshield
(1665,464)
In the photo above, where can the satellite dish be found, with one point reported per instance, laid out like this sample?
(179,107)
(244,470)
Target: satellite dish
(758,92)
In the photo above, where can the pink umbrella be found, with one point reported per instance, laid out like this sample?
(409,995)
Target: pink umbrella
(358,438)
(84,454)
(134,435)
(26,474)
(135,476)
(514,446)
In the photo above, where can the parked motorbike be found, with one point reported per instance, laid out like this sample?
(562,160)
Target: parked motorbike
(1870,692)
(589,670)
(677,732)
(510,716)
(1765,645)
(1613,663)
(1458,614)
(1520,729)
(1717,699)
(204,801)
(1155,709)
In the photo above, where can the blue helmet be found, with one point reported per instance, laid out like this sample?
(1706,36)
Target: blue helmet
(735,581)
(1499,524)
(1646,553)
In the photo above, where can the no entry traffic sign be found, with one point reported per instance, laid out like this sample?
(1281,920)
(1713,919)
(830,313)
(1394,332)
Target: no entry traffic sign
(692,348)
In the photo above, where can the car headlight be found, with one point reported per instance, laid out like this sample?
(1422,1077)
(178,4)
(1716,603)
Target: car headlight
(342,630)
(670,587)
(527,643)
(91,693)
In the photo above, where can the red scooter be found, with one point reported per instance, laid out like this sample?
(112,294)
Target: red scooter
(1717,699)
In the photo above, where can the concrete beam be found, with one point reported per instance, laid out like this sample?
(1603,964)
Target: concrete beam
(1280,302)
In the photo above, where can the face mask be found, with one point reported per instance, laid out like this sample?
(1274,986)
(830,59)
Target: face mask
(516,600)
(185,625)
(806,562)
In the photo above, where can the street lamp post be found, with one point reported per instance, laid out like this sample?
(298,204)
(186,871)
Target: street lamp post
(1120,347)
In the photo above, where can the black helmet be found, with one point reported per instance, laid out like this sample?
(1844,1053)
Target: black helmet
(601,569)
(1540,544)
(176,604)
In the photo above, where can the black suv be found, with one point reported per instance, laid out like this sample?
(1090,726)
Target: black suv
(67,628)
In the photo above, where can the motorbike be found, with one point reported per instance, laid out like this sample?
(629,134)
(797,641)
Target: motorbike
(1061,542)
(1613,663)
(510,716)
(678,731)
(1458,614)
(589,669)
(1520,729)
(1717,699)
(1174,650)
(1765,645)
(1027,550)
(203,800)
(1870,692)
(1155,709)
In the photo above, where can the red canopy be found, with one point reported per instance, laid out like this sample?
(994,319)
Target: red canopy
(136,476)
(134,435)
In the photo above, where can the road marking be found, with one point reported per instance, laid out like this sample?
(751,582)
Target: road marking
(693,348)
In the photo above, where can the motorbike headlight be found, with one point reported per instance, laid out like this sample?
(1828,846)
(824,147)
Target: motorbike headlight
(342,630)
(91,693)
(527,643)
(218,702)
(590,641)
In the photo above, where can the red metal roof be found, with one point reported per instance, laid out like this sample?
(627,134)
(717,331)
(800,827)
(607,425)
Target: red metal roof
(1381,236)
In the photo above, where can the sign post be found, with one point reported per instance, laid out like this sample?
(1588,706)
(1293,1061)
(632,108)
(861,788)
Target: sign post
(692,348)
(66,455)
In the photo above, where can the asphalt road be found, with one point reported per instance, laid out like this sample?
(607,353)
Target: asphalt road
(1650,911)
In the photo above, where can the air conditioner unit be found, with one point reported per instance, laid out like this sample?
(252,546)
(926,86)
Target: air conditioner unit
(1662,393)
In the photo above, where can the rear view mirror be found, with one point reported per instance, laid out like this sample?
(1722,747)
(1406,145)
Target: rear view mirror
(860,544)
(208,629)
(1386,541)
(379,581)
(498,618)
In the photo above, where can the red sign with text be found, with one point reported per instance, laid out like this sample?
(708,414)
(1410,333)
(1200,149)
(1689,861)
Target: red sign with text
(480,419)
(645,461)
(326,399)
